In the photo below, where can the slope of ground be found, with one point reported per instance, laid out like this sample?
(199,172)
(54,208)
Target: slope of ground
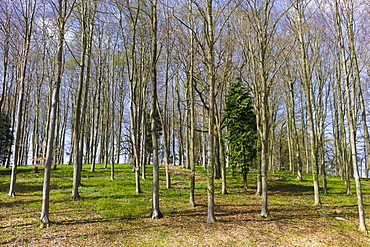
(111,214)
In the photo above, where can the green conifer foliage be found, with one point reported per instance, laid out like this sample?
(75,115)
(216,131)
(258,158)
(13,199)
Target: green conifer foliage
(241,134)
(6,137)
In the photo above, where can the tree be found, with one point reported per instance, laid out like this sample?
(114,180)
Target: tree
(262,62)
(28,14)
(61,20)
(210,58)
(136,59)
(344,17)
(306,70)
(6,137)
(240,121)
(87,14)
(5,29)
(156,213)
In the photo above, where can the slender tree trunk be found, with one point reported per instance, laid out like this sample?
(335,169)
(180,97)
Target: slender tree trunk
(192,112)
(295,134)
(87,16)
(351,109)
(258,177)
(144,156)
(5,61)
(28,28)
(204,140)
(120,123)
(264,157)
(95,138)
(112,171)
(307,86)
(180,129)
(223,162)
(44,219)
(289,135)
(156,213)
(77,117)
(164,114)
(211,125)
(352,136)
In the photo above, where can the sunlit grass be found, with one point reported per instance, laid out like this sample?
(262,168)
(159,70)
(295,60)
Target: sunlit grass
(113,210)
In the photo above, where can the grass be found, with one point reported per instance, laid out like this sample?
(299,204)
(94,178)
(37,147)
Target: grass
(110,213)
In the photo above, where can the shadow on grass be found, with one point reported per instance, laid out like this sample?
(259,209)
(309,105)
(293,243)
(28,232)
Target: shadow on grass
(92,221)
(12,226)
(296,189)
(20,170)
(21,188)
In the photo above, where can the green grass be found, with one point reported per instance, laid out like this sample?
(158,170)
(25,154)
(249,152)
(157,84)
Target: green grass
(110,213)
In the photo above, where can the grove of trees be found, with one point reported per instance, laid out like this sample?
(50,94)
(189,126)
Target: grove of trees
(146,82)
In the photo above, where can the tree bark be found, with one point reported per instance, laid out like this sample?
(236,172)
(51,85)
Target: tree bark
(28,29)
(87,16)
(192,110)
(211,125)
(44,219)
(351,90)
(156,213)
(307,86)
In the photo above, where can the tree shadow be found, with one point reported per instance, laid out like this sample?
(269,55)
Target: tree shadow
(290,188)
(91,221)
(21,188)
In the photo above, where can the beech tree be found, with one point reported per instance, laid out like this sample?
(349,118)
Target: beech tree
(136,59)
(258,53)
(349,65)
(27,13)
(156,213)
(192,106)
(5,29)
(87,12)
(210,58)
(306,70)
(61,18)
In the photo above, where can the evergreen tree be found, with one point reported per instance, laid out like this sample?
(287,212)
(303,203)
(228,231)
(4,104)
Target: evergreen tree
(241,134)
(6,137)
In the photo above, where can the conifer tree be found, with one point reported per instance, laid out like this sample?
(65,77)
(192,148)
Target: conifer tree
(241,134)
(6,137)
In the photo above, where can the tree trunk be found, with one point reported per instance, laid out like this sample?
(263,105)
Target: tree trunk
(5,60)
(211,125)
(180,129)
(44,219)
(28,19)
(87,16)
(307,86)
(350,103)
(192,111)
(156,213)
(95,138)
(295,134)
(204,140)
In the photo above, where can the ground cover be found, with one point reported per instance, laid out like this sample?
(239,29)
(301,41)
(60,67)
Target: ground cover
(110,213)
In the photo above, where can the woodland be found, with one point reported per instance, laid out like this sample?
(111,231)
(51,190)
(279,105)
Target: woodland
(252,87)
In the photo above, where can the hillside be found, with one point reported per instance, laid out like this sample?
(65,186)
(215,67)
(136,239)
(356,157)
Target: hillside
(111,214)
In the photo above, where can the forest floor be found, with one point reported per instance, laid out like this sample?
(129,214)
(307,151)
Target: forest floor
(110,213)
